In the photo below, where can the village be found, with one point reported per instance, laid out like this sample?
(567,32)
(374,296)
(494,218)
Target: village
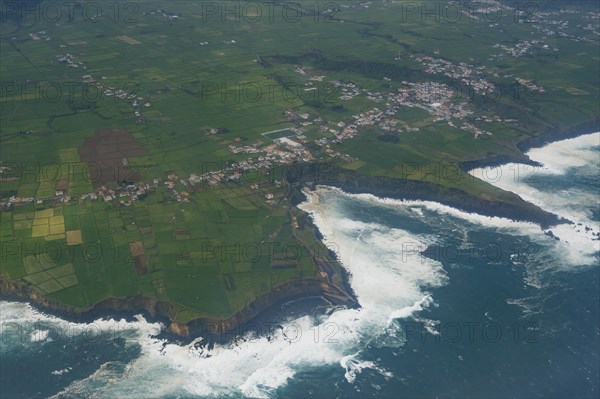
(444,102)
(127,93)
(438,99)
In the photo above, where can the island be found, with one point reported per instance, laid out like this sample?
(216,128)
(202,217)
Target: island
(152,157)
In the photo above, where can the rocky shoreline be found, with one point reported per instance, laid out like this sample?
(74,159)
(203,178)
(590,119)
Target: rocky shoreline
(404,189)
(339,294)
(310,175)
(524,146)
(551,136)
(160,311)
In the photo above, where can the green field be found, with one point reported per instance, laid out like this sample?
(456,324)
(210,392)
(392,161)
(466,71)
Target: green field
(203,84)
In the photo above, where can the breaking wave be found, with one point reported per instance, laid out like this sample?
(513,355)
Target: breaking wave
(567,185)
(256,366)
(388,273)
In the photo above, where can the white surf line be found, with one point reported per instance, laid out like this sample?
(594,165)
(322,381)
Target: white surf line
(582,234)
(572,249)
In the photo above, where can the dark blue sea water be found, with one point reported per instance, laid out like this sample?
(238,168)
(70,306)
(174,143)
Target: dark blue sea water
(452,305)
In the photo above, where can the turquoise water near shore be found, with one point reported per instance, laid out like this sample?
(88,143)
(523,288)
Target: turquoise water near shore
(452,304)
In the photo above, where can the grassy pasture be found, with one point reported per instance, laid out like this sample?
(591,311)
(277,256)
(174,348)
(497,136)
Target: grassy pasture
(198,254)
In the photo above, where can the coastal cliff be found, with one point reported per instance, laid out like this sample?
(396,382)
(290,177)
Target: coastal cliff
(336,289)
(507,204)
(300,288)
(163,311)
(511,206)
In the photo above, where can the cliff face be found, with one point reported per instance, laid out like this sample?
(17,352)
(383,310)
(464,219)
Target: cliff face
(305,287)
(592,126)
(218,328)
(20,290)
(337,291)
(326,174)
(547,137)
(511,206)
(414,190)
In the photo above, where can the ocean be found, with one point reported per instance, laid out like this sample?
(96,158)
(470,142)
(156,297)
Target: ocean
(451,305)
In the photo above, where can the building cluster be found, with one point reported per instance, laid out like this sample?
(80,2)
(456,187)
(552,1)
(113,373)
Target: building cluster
(469,75)
(246,149)
(283,151)
(137,102)
(41,35)
(70,60)
(436,98)
(522,48)
(552,23)
(349,90)
(15,200)
(530,85)
(287,153)
(171,185)
(122,194)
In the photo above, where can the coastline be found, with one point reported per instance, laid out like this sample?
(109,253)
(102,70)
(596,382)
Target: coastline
(559,135)
(539,141)
(403,189)
(346,180)
(161,312)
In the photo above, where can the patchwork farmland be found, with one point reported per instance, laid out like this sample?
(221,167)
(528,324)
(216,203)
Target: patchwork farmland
(156,179)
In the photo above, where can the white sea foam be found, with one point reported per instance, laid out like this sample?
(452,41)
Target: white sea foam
(62,371)
(562,155)
(257,366)
(409,310)
(354,366)
(390,282)
(578,243)
(39,335)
